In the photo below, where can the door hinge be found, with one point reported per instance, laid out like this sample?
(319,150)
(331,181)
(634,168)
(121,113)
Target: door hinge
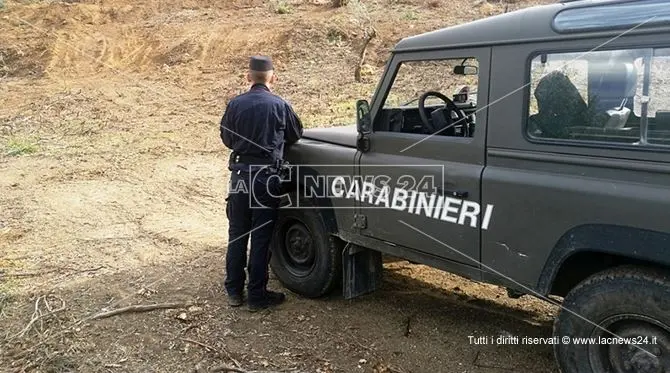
(360,221)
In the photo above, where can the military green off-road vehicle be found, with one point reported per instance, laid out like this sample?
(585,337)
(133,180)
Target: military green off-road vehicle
(529,150)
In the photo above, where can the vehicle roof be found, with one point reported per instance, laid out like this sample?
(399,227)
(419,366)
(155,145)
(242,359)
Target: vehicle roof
(524,25)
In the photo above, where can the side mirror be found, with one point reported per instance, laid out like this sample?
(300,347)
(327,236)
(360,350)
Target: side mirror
(363,122)
(466,70)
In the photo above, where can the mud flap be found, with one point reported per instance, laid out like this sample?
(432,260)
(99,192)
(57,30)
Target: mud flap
(362,271)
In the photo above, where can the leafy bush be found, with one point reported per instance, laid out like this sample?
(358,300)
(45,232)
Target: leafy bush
(281,7)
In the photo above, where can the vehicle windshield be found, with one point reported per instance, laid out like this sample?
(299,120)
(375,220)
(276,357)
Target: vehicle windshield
(414,78)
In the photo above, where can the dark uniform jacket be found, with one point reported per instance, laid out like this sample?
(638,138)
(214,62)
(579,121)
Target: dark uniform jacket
(258,123)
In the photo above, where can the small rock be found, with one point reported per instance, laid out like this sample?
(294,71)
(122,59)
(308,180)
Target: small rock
(182,316)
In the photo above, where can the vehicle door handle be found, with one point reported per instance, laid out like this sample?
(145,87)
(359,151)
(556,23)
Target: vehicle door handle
(462,194)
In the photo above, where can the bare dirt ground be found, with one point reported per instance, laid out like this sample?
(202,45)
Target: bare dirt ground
(112,184)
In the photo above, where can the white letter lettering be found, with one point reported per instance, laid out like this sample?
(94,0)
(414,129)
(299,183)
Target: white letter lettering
(466,211)
(448,201)
(399,202)
(487,216)
(383,196)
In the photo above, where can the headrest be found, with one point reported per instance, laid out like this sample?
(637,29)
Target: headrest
(613,79)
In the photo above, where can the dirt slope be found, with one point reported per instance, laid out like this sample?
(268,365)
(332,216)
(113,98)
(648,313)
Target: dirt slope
(113,180)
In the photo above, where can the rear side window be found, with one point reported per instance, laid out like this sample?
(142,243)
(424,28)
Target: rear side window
(626,15)
(617,97)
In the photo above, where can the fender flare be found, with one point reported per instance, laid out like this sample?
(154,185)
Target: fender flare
(630,242)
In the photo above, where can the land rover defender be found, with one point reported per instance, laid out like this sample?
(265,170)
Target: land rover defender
(529,150)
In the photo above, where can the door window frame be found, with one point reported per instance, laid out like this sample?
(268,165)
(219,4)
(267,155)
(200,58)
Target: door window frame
(483,56)
(581,144)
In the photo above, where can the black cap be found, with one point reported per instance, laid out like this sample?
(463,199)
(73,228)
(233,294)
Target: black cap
(260,63)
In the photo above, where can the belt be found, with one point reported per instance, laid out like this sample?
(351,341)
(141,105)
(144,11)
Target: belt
(251,159)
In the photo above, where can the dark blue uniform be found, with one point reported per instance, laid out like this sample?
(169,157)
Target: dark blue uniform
(255,126)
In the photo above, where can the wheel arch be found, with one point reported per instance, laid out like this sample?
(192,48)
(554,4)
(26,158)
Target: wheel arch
(295,197)
(588,249)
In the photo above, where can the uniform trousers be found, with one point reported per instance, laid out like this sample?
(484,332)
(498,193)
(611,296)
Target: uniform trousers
(251,209)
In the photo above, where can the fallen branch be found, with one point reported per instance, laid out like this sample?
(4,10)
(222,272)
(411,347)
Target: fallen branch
(87,270)
(229,369)
(186,329)
(27,274)
(199,368)
(200,344)
(38,315)
(33,318)
(140,308)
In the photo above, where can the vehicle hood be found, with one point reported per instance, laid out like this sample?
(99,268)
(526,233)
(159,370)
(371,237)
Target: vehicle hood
(340,135)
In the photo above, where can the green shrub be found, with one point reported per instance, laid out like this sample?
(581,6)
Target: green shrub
(18,146)
(281,7)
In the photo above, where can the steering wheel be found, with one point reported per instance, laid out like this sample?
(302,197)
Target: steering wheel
(440,118)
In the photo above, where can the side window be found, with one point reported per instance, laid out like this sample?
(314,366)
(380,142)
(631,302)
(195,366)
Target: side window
(618,97)
(454,79)
(658,97)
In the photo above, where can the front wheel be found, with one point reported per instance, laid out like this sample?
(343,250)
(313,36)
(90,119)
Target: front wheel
(616,321)
(305,257)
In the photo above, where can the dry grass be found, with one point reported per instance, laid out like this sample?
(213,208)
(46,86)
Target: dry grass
(18,146)
(123,99)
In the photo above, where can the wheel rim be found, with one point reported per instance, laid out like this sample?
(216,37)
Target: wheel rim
(651,354)
(298,248)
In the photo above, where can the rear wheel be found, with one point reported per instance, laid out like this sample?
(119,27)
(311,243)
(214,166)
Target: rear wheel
(305,257)
(628,303)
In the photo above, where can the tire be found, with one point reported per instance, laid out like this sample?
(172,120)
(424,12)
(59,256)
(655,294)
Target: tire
(305,257)
(630,302)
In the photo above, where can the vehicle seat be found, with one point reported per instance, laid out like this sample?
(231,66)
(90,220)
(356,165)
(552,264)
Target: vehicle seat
(560,106)
(610,87)
(662,120)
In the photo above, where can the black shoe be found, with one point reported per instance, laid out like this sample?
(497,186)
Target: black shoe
(235,300)
(271,299)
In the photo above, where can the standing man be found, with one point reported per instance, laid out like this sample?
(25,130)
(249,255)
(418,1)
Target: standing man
(255,126)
